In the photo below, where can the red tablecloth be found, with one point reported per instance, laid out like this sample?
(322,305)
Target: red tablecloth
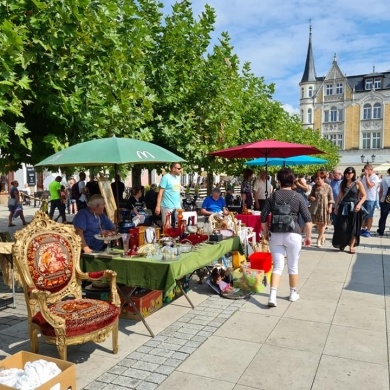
(253,221)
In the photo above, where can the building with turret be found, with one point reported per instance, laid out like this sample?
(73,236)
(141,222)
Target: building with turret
(351,111)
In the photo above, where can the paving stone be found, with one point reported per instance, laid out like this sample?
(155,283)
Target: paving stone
(180,356)
(164,369)
(126,382)
(114,386)
(193,344)
(161,352)
(127,362)
(146,366)
(188,350)
(107,377)
(147,386)
(194,326)
(117,370)
(205,334)
(173,346)
(95,385)
(136,355)
(184,336)
(175,341)
(188,331)
(199,339)
(153,343)
(156,378)
(154,359)
(173,362)
(144,349)
(137,374)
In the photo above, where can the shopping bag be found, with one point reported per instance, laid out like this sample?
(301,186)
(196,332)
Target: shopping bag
(18,211)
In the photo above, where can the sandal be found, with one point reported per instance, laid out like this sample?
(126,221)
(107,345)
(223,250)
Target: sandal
(352,251)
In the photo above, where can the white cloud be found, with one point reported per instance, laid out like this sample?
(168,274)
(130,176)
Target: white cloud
(273,36)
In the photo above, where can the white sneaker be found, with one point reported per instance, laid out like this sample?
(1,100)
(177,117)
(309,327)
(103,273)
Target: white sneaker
(293,297)
(272,302)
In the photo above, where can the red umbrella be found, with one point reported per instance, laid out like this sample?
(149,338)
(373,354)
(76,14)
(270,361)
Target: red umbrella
(266,149)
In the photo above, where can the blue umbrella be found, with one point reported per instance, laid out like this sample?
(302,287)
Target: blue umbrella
(289,161)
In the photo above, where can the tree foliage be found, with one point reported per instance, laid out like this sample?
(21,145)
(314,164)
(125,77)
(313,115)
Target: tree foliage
(75,70)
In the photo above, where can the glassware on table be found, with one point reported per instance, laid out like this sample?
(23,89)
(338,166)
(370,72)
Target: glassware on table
(125,242)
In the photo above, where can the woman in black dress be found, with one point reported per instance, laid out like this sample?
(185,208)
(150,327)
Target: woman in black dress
(348,210)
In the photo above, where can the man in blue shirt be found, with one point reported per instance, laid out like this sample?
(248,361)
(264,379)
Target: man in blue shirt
(214,204)
(168,198)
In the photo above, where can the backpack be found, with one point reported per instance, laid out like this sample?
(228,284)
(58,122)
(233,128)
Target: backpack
(282,220)
(75,191)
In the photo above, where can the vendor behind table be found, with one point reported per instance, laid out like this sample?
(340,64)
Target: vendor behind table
(92,221)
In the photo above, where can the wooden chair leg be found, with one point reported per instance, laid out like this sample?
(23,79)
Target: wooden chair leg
(62,350)
(115,338)
(33,333)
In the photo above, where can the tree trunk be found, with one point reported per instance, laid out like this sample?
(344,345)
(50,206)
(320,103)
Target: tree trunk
(136,176)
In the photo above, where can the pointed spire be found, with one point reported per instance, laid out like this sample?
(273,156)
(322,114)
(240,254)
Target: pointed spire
(309,73)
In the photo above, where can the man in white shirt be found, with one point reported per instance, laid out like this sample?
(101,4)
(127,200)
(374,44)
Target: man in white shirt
(259,189)
(370,182)
(385,207)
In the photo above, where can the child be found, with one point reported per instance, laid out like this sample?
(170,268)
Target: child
(217,277)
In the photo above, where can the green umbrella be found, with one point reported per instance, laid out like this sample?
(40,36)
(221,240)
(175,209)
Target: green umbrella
(110,151)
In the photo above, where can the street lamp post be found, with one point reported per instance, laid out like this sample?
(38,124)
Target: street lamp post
(362,157)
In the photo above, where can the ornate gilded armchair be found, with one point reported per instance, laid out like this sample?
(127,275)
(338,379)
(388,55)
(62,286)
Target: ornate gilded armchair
(47,256)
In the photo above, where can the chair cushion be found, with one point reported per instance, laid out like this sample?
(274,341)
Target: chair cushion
(82,316)
(50,261)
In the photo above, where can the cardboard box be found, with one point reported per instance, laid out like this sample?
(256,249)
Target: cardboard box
(147,302)
(176,291)
(66,379)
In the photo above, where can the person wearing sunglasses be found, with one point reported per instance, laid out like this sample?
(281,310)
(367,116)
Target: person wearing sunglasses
(168,198)
(348,210)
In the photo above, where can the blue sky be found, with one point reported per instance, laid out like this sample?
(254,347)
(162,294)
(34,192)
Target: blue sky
(273,36)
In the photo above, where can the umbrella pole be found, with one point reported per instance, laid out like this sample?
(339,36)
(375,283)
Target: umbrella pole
(266,179)
(116,193)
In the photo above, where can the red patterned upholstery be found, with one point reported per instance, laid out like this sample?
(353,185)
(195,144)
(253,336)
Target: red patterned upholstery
(81,316)
(50,262)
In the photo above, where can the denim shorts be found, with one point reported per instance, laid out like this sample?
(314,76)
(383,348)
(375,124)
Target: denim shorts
(370,207)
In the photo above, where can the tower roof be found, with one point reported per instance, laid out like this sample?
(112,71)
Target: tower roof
(309,73)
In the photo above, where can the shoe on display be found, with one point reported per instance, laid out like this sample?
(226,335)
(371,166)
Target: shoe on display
(293,297)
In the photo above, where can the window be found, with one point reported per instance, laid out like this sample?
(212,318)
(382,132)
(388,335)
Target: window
(367,111)
(371,140)
(368,85)
(377,112)
(310,91)
(333,114)
(339,89)
(337,139)
(309,116)
(302,93)
(329,89)
(377,83)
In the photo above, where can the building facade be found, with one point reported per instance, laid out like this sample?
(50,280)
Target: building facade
(351,111)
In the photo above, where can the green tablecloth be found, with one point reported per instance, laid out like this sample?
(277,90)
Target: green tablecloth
(160,275)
